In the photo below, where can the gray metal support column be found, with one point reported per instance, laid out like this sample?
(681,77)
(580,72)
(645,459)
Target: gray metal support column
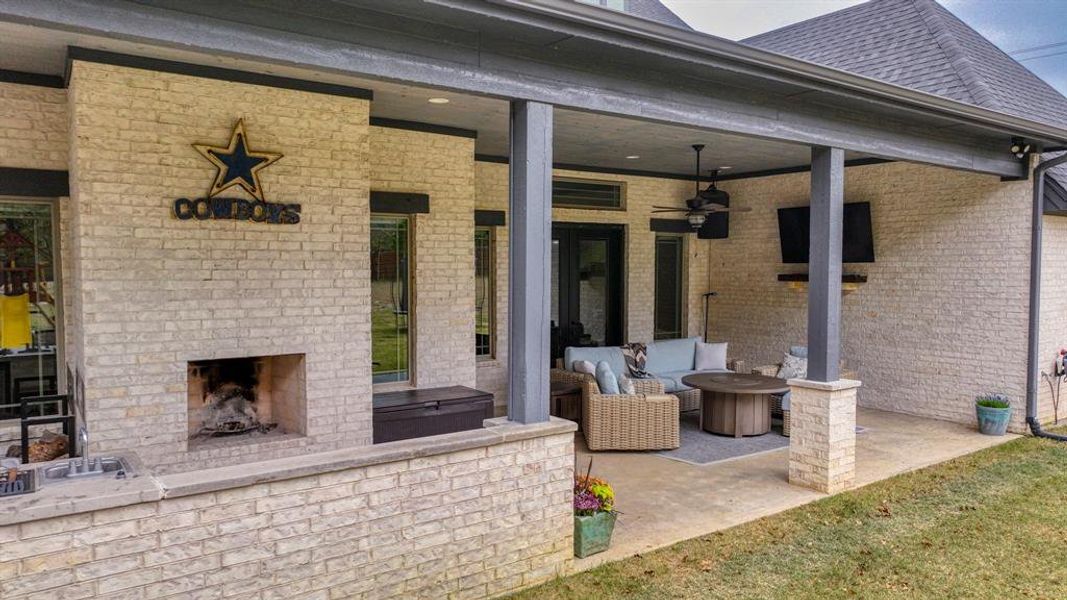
(530,235)
(824,263)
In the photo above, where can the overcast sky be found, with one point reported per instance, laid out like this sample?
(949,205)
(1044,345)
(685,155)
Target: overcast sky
(1014,25)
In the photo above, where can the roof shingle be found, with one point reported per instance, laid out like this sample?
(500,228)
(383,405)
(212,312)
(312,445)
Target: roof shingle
(921,45)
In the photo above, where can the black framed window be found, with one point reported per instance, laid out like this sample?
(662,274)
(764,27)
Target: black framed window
(390,267)
(29,305)
(669,289)
(484,293)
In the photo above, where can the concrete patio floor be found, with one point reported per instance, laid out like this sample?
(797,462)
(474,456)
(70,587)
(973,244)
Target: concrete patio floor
(665,501)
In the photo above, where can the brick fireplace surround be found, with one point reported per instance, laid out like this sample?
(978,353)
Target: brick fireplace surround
(152,293)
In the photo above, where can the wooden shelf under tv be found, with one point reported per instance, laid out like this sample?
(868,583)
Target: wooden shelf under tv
(850,282)
(845,278)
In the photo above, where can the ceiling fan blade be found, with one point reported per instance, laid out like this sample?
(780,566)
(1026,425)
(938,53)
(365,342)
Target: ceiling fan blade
(738,209)
(667,210)
(671,207)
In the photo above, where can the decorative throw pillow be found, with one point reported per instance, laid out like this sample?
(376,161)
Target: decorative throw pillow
(793,367)
(636,355)
(584,366)
(626,385)
(711,357)
(605,379)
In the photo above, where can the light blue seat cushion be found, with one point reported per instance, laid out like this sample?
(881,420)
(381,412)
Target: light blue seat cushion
(799,351)
(670,355)
(606,380)
(610,354)
(672,380)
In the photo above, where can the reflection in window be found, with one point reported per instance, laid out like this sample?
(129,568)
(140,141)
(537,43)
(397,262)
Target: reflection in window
(484,296)
(390,298)
(668,287)
(28,316)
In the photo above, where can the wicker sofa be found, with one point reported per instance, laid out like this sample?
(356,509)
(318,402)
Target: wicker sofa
(668,367)
(647,420)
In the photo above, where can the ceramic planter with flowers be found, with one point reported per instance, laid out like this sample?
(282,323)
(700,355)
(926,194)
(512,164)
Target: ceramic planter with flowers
(993,412)
(594,514)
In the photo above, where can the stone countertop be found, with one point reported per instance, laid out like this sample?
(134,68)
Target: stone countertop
(58,499)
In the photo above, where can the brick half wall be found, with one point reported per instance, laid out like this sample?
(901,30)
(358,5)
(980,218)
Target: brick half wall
(470,515)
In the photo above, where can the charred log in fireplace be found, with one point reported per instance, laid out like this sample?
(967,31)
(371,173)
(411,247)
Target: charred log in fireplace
(231,391)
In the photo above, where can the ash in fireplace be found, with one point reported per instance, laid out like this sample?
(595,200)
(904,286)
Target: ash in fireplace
(229,410)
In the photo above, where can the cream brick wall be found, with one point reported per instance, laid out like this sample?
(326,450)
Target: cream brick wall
(1053,331)
(443,167)
(151,292)
(641,194)
(943,315)
(470,524)
(33,127)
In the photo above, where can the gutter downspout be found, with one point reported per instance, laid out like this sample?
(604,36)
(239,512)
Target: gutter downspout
(1032,375)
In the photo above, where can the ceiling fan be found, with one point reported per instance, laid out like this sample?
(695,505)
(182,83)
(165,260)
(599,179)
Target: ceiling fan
(704,202)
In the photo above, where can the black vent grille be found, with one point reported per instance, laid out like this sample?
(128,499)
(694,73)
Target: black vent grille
(578,193)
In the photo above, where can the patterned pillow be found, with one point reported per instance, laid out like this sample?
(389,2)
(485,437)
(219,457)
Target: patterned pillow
(793,367)
(636,355)
(626,385)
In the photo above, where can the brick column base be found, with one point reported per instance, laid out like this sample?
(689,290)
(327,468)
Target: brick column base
(822,439)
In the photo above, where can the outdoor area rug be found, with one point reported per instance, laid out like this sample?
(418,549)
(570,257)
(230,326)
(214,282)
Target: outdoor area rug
(702,448)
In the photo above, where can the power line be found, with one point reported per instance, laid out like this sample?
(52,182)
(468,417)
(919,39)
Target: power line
(1043,55)
(1036,48)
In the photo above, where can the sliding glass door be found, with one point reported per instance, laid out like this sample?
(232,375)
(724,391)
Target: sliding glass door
(587,285)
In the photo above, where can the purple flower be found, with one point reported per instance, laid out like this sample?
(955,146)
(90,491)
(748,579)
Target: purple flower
(586,502)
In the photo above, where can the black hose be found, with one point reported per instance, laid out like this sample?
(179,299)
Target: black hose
(1035,299)
(1035,428)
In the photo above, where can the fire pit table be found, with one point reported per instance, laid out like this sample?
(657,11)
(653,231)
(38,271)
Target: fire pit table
(735,404)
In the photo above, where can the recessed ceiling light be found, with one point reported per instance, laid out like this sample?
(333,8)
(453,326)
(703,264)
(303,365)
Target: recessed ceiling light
(633,157)
(725,168)
(438,100)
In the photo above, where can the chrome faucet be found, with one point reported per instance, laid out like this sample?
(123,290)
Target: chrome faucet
(83,441)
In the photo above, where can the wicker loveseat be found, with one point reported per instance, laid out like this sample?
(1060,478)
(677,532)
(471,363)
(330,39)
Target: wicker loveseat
(647,420)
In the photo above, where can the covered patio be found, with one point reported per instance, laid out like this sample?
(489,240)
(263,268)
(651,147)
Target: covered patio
(421,145)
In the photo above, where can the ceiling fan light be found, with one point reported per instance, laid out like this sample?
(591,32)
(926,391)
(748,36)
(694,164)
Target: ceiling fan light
(696,220)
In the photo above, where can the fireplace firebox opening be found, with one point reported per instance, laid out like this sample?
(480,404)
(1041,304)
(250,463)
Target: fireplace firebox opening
(247,397)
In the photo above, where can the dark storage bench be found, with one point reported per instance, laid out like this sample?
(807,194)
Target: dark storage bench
(433,411)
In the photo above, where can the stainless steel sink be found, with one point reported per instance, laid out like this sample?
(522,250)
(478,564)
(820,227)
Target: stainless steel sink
(114,467)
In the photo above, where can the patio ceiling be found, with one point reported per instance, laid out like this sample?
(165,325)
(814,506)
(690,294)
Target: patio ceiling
(577,58)
(581,138)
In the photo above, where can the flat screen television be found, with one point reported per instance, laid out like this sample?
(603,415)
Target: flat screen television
(857,243)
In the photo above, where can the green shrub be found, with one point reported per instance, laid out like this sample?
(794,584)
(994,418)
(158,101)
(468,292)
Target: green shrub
(993,401)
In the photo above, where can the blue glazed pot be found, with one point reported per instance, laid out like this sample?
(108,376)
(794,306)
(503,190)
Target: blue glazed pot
(993,421)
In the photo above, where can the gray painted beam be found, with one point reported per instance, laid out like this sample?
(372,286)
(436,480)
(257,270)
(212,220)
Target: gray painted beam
(824,263)
(415,54)
(530,236)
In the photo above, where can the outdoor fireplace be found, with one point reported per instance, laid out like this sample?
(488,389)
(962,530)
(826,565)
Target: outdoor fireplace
(246,397)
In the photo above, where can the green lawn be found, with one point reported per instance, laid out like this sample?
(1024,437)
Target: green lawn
(389,333)
(989,525)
